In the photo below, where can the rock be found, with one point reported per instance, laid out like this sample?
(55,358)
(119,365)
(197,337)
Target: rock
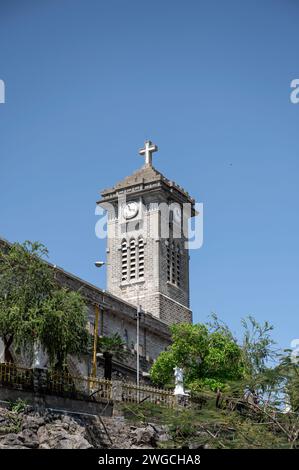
(146,435)
(196,445)
(11,440)
(57,436)
(14,447)
(45,430)
(164,437)
(161,432)
(29,439)
(33,423)
(73,442)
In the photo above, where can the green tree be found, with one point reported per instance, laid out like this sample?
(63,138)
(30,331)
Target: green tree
(62,326)
(210,359)
(258,406)
(289,378)
(34,309)
(257,345)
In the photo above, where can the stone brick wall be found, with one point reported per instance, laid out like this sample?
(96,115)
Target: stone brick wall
(179,294)
(130,290)
(172,312)
(154,292)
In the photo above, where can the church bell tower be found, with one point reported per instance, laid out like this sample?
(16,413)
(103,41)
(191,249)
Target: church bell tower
(147,250)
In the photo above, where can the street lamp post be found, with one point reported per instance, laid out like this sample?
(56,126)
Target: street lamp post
(137,345)
(95,341)
(98,264)
(138,312)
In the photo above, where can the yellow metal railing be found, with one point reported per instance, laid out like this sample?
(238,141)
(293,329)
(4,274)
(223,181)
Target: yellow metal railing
(17,377)
(100,388)
(63,383)
(134,394)
(80,387)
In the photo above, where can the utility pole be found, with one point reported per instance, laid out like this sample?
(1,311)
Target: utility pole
(95,341)
(139,311)
(137,348)
(98,264)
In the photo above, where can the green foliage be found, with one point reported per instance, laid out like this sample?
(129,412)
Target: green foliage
(34,309)
(18,406)
(113,345)
(289,377)
(292,388)
(14,426)
(25,283)
(207,426)
(62,328)
(258,406)
(161,372)
(257,346)
(209,359)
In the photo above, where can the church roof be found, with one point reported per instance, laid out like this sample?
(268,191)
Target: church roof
(145,175)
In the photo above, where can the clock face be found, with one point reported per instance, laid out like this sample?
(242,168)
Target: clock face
(130,210)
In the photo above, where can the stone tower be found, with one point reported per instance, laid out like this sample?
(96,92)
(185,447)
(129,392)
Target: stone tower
(147,253)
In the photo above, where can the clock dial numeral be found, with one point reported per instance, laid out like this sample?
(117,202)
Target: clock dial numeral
(130,210)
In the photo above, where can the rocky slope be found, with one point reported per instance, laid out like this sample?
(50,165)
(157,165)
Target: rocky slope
(31,430)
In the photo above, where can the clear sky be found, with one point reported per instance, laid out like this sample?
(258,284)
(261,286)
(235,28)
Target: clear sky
(87,81)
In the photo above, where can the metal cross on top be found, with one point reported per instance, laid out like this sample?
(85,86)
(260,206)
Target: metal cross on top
(148,149)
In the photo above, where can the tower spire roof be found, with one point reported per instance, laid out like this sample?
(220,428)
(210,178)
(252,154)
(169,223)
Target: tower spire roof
(146,178)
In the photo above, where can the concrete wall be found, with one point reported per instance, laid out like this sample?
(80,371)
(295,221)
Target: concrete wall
(56,403)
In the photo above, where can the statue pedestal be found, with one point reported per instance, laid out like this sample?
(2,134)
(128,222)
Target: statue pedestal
(40,380)
(182,400)
(179,390)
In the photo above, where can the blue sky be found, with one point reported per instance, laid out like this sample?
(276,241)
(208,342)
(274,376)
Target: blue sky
(208,81)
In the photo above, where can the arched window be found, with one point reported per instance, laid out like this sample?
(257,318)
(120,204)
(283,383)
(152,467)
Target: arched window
(173,266)
(173,257)
(132,259)
(178,266)
(140,258)
(132,255)
(124,260)
(168,260)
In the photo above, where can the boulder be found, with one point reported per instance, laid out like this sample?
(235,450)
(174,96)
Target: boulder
(57,436)
(11,440)
(145,436)
(29,439)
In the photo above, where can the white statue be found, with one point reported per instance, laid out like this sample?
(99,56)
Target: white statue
(179,381)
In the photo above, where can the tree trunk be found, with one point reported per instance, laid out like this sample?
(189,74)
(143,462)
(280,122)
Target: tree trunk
(7,354)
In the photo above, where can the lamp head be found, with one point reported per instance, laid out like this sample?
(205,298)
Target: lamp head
(99,264)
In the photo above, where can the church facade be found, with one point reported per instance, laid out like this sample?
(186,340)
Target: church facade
(147,269)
